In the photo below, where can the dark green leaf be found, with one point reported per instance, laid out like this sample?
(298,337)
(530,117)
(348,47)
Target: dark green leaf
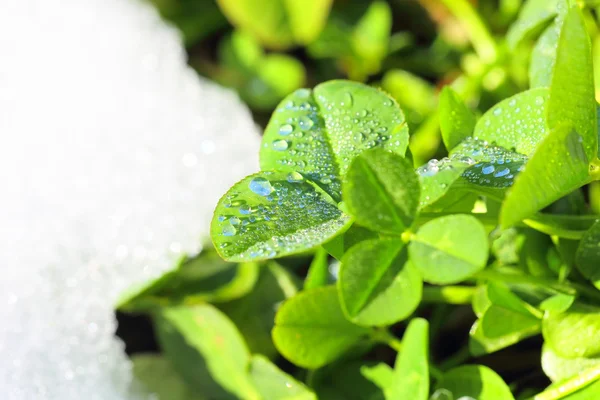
(274,384)
(377,285)
(278,23)
(158,376)
(319,133)
(411,371)
(271,214)
(457,121)
(476,381)
(449,249)
(311,329)
(352,380)
(207,350)
(588,254)
(343,242)
(381,191)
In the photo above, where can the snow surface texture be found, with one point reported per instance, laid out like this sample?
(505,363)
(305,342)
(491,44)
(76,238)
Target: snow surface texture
(112,156)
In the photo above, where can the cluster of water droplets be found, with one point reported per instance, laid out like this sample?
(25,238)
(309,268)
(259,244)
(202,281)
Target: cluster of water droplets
(320,136)
(275,203)
(478,162)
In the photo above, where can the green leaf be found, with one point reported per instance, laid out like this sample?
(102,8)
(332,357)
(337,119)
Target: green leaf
(274,384)
(476,381)
(278,23)
(479,344)
(588,254)
(517,122)
(572,98)
(558,167)
(377,285)
(533,16)
(203,278)
(158,376)
(558,303)
(318,272)
(559,368)
(564,226)
(338,246)
(319,133)
(411,371)
(381,191)
(380,374)
(311,329)
(254,313)
(457,121)
(573,333)
(207,350)
(543,57)
(271,214)
(449,249)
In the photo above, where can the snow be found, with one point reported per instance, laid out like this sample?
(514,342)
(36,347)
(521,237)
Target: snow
(113,154)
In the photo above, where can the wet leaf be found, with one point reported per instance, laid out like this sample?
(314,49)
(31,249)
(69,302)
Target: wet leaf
(476,381)
(274,384)
(457,121)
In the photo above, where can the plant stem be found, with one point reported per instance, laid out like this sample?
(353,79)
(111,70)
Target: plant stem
(448,294)
(462,355)
(384,336)
(572,385)
(480,37)
(566,287)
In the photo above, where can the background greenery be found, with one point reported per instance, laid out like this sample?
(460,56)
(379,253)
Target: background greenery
(213,319)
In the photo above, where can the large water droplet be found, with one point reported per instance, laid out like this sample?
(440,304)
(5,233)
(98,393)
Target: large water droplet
(261,186)
(246,209)
(347,100)
(503,172)
(286,129)
(487,169)
(305,123)
(280,145)
(295,177)
(229,230)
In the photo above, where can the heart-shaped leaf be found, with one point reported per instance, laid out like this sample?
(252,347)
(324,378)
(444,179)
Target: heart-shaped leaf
(271,214)
(311,329)
(449,249)
(411,371)
(559,368)
(381,191)
(319,133)
(377,285)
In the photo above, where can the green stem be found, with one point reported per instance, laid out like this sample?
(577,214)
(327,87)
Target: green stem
(484,218)
(384,336)
(572,385)
(480,37)
(455,359)
(448,294)
(566,287)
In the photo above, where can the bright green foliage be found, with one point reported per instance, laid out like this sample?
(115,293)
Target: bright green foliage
(457,121)
(261,79)
(558,368)
(377,284)
(579,325)
(381,191)
(543,57)
(411,371)
(533,15)
(318,272)
(476,381)
(449,249)
(274,384)
(415,95)
(278,23)
(311,330)
(206,349)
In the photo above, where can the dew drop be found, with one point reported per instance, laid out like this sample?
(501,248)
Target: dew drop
(286,129)
(497,111)
(358,137)
(305,123)
(280,145)
(261,186)
(302,93)
(234,221)
(246,209)
(503,172)
(294,177)
(487,169)
(229,230)
(347,100)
